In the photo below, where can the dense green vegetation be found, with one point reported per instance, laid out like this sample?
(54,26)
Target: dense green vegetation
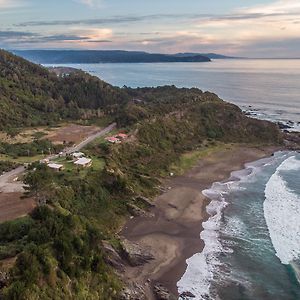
(59,247)
(6,166)
(36,147)
(60,244)
(30,95)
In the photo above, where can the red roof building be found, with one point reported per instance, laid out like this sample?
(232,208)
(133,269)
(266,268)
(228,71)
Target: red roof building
(121,136)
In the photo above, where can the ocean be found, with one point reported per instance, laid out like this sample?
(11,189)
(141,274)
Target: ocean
(252,237)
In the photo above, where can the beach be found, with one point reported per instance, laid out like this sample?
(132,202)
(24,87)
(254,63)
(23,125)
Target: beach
(172,232)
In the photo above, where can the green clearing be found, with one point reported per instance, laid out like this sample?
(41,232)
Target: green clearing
(22,159)
(190,159)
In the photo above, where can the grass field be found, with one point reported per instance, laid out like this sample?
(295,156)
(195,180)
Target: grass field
(22,159)
(188,160)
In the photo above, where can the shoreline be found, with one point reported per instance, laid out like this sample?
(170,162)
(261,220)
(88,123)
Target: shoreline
(172,232)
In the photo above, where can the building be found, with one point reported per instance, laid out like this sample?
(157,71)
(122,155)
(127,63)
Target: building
(45,161)
(56,167)
(77,155)
(113,140)
(83,162)
(121,136)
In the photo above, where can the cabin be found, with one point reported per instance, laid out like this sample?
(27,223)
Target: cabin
(56,167)
(83,162)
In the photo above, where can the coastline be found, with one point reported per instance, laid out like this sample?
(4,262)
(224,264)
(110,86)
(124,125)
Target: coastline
(172,232)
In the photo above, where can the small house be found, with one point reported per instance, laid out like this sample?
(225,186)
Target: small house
(77,155)
(83,162)
(56,167)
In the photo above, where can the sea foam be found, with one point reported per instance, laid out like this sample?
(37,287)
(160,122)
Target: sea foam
(282,213)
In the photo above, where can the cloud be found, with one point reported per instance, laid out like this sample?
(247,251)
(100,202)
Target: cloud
(281,7)
(15,34)
(244,29)
(90,3)
(114,20)
(4,4)
(78,38)
(246,26)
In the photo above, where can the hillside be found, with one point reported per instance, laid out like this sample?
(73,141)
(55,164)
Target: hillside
(30,95)
(103,56)
(209,55)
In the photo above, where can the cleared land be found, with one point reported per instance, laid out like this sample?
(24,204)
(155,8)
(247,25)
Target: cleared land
(71,133)
(12,206)
(62,133)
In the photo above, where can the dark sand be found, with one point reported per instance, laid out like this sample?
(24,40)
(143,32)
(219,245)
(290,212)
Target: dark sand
(172,235)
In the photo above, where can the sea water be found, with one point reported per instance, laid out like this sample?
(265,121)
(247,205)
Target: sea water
(252,237)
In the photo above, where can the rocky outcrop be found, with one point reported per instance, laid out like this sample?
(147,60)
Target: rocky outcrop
(134,210)
(147,202)
(292,140)
(134,255)
(162,293)
(283,125)
(112,257)
(133,292)
(4,278)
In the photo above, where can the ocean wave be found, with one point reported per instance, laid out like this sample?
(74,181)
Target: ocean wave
(203,267)
(282,213)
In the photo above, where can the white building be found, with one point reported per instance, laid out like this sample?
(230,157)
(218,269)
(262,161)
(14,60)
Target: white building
(45,161)
(77,154)
(83,162)
(55,167)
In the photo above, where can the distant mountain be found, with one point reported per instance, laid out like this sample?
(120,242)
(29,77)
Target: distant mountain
(209,55)
(103,56)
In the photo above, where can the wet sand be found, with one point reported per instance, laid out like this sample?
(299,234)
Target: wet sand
(172,234)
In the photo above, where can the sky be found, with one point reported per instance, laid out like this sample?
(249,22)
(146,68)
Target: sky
(252,28)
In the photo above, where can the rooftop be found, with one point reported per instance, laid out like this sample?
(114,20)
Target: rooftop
(83,161)
(55,166)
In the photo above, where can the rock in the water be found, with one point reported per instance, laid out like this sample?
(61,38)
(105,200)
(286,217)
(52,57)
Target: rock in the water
(134,254)
(283,126)
(186,295)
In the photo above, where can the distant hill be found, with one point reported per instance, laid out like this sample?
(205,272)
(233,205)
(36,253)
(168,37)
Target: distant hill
(209,55)
(103,56)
